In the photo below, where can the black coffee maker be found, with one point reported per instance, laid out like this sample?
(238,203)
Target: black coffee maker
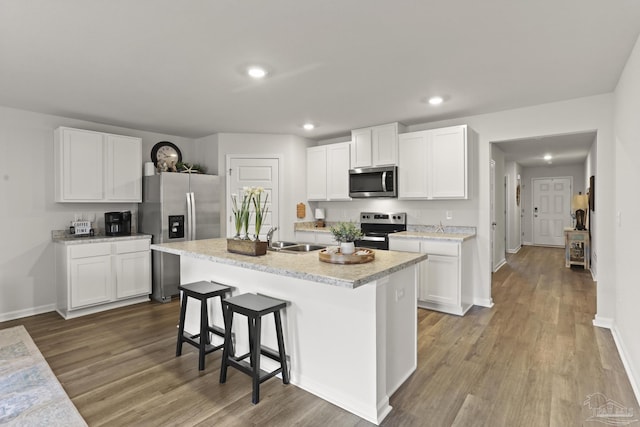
(117,223)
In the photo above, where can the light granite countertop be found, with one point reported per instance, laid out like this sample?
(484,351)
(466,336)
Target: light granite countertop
(458,237)
(68,239)
(306,266)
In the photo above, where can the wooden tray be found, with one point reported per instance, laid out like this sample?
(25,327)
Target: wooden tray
(338,258)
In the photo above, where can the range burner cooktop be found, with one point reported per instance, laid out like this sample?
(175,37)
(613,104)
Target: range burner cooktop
(376,227)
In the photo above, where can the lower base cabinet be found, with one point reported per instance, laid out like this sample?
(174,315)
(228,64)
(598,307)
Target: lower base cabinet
(318,237)
(94,277)
(444,282)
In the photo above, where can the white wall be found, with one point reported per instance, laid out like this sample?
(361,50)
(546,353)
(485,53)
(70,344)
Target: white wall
(499,243)
(293,185)
(514,211)
(576,172)
(627,206)
(28,211)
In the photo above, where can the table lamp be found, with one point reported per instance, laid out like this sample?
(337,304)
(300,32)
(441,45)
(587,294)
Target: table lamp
(319,217)
(580,204)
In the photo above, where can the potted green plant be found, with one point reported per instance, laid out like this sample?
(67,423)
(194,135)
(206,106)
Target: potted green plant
(243,244)
(346,233)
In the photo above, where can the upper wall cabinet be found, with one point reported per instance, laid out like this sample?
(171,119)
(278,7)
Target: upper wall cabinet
(433,164)
(328,172)
(375,146)
(97,167)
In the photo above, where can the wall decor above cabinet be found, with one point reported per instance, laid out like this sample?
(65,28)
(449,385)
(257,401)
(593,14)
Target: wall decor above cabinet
(375,146)
(434,164)
(97,167)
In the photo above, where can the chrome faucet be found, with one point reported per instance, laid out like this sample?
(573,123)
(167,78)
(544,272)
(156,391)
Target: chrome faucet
(270,235)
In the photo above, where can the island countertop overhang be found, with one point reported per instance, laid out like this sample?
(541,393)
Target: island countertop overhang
(305,266)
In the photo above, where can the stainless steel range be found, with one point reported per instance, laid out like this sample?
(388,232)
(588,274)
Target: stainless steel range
(377,226)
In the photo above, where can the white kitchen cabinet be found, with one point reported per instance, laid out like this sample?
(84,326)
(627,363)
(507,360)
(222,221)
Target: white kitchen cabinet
(317,173)
(92,277)
(433,164)
(375,146)
(318,237)
(97,167)
(328,172)
(132,267)
(123,168)
(444,282)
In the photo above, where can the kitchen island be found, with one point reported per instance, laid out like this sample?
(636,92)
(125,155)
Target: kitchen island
(350,330)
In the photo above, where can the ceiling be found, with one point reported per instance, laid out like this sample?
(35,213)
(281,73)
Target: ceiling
(564,150)
(177,67)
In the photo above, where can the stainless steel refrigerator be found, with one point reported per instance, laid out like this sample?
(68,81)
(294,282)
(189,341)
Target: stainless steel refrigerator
(177,207)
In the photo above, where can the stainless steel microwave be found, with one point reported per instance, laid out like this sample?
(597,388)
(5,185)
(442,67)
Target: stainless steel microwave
(373,182)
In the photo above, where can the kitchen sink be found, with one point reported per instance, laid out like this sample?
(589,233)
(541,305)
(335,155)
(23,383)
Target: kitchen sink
(282,246)
(302,248)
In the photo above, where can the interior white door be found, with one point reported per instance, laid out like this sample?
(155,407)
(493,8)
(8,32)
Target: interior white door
(551,210)
(492,209)
(254,172)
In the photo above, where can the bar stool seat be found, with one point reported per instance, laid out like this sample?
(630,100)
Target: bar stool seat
(201,291)
(254,307)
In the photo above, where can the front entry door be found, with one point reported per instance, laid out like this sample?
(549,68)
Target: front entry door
(254,172)
(551,210)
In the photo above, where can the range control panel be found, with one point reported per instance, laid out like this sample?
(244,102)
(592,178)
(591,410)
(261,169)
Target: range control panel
(383,218)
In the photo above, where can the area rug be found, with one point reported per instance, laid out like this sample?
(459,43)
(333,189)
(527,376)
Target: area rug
(30,394)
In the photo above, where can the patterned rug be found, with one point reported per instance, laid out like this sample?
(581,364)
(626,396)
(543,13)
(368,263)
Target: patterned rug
(30,394)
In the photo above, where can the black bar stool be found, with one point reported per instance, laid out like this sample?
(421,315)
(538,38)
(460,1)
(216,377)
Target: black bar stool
(254,307)
(201,291)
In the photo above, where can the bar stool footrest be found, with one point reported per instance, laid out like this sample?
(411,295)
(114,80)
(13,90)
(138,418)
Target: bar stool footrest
(245,367)
(194,340)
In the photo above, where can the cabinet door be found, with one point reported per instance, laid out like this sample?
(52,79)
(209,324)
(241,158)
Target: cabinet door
(361,155)
(123,168)
(384,141)
(317,173)
(305,236)
(338,161)
(325,239)
(440,280)
(448,165)
(404,245)
(133,274)
(90,281)
(412,165)
(79,167)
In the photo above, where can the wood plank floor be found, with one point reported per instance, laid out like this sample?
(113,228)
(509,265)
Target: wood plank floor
(531,360)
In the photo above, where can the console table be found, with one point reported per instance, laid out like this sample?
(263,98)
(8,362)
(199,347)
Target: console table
(576,248)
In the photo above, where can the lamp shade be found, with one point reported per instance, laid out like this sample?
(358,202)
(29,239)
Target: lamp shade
(319,213)
(579,201)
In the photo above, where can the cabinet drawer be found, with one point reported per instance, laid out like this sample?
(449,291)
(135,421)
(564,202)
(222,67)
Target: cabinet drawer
(440,248)
(89,250)
(132,246)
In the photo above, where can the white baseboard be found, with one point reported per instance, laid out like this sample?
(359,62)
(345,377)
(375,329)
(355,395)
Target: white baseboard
(622,351)
(603,322)
(514,251)
(500,264)
(483,302)
(18,314)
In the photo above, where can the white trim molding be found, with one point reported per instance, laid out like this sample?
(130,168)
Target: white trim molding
(32,311)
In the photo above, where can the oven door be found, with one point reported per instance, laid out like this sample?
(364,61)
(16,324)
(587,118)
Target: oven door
(373,242)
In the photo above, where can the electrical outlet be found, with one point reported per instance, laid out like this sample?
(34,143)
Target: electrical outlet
(399,294)
(449,214)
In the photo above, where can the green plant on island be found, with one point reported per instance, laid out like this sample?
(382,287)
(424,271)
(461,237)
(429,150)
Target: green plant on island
(346,232)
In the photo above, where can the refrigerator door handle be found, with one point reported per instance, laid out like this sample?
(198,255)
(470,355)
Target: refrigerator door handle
(189,216)
(194,223)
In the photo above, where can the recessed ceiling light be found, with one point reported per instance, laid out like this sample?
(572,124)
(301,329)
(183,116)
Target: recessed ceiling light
(435,100)
(308,126)
(256,72)
(547,157)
